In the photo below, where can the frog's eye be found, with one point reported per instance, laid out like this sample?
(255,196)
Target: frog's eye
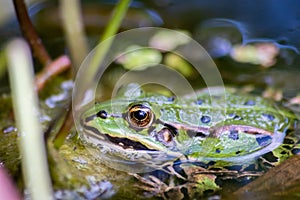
(140,116)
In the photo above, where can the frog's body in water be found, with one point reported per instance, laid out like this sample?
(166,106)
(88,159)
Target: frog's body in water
(222,128)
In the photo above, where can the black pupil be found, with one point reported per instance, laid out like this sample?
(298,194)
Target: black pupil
(140,115)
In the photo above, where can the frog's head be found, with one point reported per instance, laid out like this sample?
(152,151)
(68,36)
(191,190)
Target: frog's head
(130,124)
(128,127)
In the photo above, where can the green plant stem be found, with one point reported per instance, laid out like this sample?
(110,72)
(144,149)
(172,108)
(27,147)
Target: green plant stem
(26,110)
(2,64)
(64,129)
(100,53)
(70,11)
(117,17)
(111,29)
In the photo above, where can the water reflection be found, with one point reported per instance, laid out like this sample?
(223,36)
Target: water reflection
(275,20)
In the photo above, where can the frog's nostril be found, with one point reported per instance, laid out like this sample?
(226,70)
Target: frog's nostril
(102,114)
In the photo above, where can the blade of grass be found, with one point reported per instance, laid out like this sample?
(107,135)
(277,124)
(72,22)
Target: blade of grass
(99,55)
(111,29)
(2,64)
(70,11)
(26,110)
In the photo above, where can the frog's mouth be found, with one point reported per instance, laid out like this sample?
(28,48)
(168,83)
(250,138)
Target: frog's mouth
(94,134)
(127,143)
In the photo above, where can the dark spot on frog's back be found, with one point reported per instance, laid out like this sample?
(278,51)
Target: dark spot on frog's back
(234,134)
(171,99)
(249,103)
(269,117)
(270,157)
(287,147)
(205,119)
(296,151)
(288,141)
(199,102)
(234,116)
(238,152)
(264,140)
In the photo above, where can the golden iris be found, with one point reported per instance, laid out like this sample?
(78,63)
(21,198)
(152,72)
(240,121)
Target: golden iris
(140,116)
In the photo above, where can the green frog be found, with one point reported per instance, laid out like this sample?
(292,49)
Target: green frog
(217,127)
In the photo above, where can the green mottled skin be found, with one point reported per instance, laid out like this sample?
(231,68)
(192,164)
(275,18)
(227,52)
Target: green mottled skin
(249,126)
